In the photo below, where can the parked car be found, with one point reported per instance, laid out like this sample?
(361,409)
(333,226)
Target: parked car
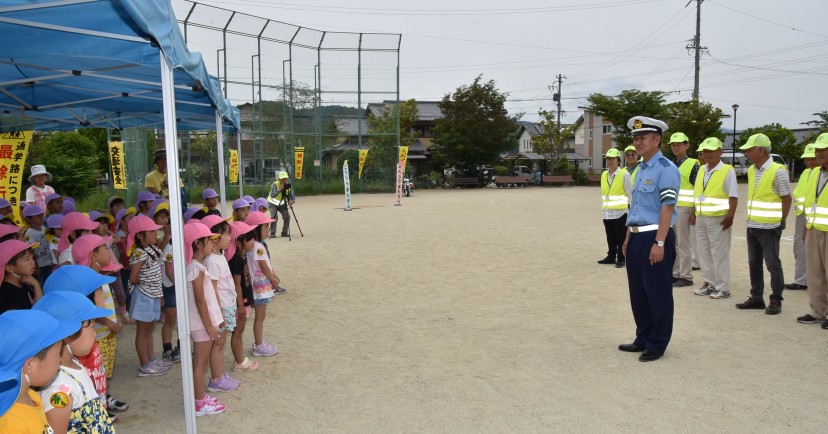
(742,164)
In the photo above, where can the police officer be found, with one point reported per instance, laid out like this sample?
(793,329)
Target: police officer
(800,277)
(688,169)
(277,202)
(768,202)
(650,241)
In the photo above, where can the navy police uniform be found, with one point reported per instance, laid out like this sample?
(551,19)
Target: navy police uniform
(651,288)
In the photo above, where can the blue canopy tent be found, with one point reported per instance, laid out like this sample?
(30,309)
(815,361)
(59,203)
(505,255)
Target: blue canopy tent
(68,64)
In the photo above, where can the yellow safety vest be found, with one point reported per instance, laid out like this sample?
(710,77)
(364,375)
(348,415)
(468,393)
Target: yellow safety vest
(634,172)
(800,190)
(763,206)
(712,200)
(613,196)
(816,207)
(685,196)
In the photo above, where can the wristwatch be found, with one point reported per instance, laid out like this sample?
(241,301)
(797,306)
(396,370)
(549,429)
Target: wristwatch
(659,243)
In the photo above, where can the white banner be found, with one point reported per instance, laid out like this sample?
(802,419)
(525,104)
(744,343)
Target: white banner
(400,166)
(347,186)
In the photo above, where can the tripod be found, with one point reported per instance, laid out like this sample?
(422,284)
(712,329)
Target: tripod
(296,220)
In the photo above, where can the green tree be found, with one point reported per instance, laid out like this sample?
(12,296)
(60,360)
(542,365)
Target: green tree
(475,128)
(821,124)
(72,158)
(619,109)
(383,126)
(698,120)
(783,141)
(553,143)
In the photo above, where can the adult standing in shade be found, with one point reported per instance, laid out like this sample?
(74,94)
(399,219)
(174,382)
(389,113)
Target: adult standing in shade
(800,275)
(768,202)
(650,243)
(615,198)
(688,169)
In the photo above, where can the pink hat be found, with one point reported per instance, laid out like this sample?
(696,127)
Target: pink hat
(256,218)
(211,220)
(194,230)
(139,223)
(72,222)
(237,229)
(10,248)
(83,247)
(9,229)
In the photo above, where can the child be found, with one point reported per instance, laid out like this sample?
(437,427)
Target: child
(190,213)
(36,194)
(261,205)
(210,198)
(54,204)
(249,199)
(68,205)
(71,402)
(241,208)
(146,291)
(144,202)
(5,207)
(30,347)
(205,312)
(222,281)
(240,246)
(33,215)
(53,231)
(19,290)
(103,221)
(264,280)
(115,204)
(161,215)
(74,225)
(10,232)
(122,218)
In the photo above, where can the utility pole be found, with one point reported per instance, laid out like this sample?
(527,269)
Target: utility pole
(695,44)
(556,97)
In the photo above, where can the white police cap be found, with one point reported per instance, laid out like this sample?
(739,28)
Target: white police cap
(639,125)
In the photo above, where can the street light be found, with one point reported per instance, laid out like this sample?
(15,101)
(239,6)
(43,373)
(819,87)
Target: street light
(735,107)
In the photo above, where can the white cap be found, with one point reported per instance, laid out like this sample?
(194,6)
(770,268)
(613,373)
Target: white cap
(640,124)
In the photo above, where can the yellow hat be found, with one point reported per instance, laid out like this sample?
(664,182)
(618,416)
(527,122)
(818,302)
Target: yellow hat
(630,148)
(710,144)
(809,151)
(821,141)
(613,153)
(679,138)
(283,175)
(760,140)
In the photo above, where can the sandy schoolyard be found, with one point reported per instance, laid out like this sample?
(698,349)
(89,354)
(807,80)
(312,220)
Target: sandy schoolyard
(484,310)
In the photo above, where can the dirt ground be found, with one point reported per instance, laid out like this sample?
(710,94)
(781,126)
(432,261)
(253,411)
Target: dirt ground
(483,310)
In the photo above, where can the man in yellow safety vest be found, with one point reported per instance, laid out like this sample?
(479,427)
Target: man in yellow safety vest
(768,202)
(615,198)
(688,169)
(816,237)
(800,276)
(715,198)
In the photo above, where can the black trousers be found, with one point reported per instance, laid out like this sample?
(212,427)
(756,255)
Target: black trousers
(763,244)
(616,230)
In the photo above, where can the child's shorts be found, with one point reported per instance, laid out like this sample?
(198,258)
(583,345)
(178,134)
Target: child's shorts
(107,347)
(143,308)
(169,297)
(229,314)
(261,301)
(200,335)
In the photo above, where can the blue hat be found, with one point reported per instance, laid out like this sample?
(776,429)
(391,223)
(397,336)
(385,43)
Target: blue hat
(208,193)
(75,278)
(23,334)
(66,305)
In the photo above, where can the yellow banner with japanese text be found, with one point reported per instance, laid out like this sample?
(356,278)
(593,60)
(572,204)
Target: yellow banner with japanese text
(298,160)
(13,149)
(363,155)
(118,166)
(234,166)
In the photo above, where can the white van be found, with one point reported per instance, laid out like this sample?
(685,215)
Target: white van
(741,164)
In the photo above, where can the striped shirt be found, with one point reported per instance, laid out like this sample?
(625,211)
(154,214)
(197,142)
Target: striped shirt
(149,280)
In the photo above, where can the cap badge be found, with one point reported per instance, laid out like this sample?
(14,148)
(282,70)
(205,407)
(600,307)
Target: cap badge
(638,124)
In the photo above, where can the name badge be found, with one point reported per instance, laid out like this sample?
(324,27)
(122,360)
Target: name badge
(701,198)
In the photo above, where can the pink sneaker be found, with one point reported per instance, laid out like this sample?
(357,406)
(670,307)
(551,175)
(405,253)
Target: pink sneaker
(208,405)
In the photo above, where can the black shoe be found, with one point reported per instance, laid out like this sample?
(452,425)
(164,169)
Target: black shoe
(272,235)
(807,319)
(696,268)
(751,303)
(607,260)
(774,308)
(795,286)
(679,283)
(675,279)
(647,356)
(630,348)
(825,324)
(620,264)
(284,234)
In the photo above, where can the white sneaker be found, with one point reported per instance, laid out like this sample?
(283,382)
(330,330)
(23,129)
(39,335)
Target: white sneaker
(706,289)
(208,405)
(720,294)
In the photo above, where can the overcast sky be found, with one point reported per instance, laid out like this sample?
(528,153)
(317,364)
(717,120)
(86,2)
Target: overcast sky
(771,58)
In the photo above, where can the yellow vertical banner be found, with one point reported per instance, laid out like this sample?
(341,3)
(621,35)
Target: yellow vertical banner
(116,162)
(234,166)
(13,149)
(404,156)
(298,161)
(363,155)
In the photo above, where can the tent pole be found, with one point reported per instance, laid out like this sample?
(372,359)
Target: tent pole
(177,227)
(220,150)
(241,172)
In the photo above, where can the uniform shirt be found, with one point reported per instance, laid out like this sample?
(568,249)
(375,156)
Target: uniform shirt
(42,253)
(612,214)
(13,297)
(22,418)
(729,184)
(656,184)
(781,187)
(68,386)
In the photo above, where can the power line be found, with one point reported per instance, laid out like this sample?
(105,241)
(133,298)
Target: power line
(769,21)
